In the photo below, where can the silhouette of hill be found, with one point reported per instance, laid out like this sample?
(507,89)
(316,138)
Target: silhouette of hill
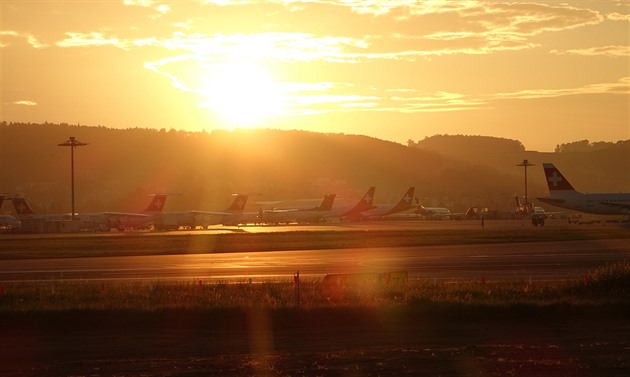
(591,167)
(120,167)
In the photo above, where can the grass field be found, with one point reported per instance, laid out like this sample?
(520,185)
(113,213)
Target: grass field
(607,285)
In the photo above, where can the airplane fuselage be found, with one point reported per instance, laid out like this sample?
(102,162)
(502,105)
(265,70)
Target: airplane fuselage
(600,204)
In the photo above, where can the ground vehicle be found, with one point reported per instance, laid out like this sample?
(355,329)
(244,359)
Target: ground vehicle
(538,219)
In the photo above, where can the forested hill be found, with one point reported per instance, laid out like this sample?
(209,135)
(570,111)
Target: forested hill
(590,166)
(119,168)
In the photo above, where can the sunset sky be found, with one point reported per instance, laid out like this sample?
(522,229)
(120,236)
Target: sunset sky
(542,72)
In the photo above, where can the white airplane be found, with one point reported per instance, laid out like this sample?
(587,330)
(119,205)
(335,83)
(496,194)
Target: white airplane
(298,215)
(350,211)
(103,221)
(8,222)
(405,203)
(562,194)
(434,213)
(192,219)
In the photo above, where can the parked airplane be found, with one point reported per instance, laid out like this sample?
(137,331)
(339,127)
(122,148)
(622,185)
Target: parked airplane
(405,203)
(298,215)
(8,222)
(433,213)
(193,218)
(349,211)
(148,215)
(562,194)
(103,221)
(525,209)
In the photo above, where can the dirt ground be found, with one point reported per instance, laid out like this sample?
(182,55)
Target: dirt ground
(572,341)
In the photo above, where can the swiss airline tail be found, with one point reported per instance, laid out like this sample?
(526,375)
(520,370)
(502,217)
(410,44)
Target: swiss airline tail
(239,203)
(405,202)
(364,204)
(21,207)
(555,180)
(157,203)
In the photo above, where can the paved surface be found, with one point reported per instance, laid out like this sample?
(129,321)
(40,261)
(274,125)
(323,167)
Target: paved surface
(538,260)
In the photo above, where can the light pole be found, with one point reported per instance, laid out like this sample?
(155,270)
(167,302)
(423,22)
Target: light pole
(525,164)
(72,143)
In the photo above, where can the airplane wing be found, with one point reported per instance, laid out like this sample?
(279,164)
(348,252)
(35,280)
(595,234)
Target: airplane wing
(282,210)
(553,201)
(211,213)
(126,214)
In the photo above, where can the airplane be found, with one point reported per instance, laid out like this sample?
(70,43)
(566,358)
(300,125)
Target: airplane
(156,204)
(526,209)
(8,222)
(350,211)
(433,213)
(192,219)
(103,221)
(562,194)
(405,203)
(298,215)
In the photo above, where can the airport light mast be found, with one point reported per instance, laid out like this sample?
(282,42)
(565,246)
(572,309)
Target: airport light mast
(72,143)
(525,164)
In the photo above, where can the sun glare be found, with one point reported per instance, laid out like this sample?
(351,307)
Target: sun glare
(242,94)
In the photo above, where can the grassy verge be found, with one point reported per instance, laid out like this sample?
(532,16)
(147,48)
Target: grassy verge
(606,286)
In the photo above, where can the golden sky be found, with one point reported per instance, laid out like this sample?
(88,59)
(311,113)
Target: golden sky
(542,72)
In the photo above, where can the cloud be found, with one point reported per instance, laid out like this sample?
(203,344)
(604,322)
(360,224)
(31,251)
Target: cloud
(89,40)
(389,30)
(331,98)
(395,30)
(160,7)
(25,103)
(29,38)
(619,17)
(412,101)
(620,87)
(617,50)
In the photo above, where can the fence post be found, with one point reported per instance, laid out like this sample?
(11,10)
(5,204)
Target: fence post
(296,280)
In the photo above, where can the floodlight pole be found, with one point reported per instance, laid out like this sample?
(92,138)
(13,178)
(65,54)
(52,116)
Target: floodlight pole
(72,143)
(525,164)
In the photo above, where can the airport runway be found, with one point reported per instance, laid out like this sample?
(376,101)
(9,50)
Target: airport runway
(514,261)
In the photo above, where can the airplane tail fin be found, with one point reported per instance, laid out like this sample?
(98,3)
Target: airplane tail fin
(365,203)
(517,201)
(327,203)
(21,206)
(239,203)
(406,202)
(157,203)
(555,180)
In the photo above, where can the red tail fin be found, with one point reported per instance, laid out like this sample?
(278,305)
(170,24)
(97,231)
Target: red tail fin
(239,203)
(157,203)
(21,207)
(364,204)
(405,202)
(555,180)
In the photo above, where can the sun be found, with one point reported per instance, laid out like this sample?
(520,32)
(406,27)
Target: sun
(241,94)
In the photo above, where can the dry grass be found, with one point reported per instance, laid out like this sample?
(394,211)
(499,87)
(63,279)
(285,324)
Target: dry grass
(608,285)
